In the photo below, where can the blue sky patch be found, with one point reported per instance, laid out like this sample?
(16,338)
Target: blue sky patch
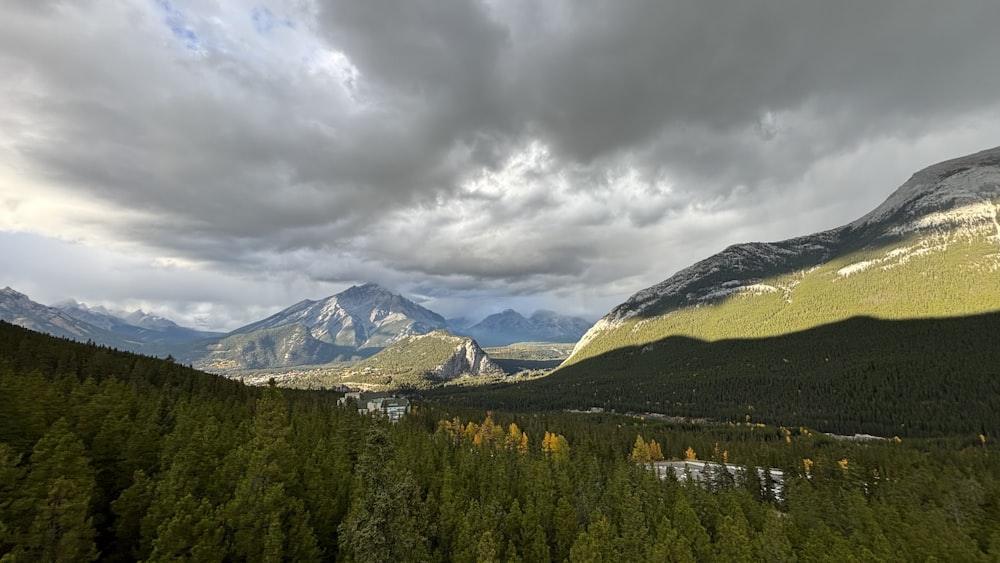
(175,21)
(263,20)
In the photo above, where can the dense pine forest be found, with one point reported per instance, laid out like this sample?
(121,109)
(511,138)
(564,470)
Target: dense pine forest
(111,456)
(917,377)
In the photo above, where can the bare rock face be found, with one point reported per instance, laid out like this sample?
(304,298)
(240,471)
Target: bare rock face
(468,360)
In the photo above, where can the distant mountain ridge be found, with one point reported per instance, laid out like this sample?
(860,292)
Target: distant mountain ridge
(137,331)
(931,249)
(17,308)
(137,325)
(351,325)
(509,327)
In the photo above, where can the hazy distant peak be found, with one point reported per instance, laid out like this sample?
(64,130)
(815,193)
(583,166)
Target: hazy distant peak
(148,320)
(11,292)
(509,326)
(544,314)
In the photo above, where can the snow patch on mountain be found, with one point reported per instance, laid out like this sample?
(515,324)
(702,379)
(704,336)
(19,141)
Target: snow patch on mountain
(856,267)
(972,217)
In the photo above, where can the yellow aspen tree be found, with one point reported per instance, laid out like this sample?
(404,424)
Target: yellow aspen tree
(471,430)
(487,431)
(689,454)
(655,453)
(513,438)
(547,443)
(555,446)
(640,451)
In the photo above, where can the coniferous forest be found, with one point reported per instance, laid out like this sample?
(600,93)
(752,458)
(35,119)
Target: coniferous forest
(911,378)
(112,456)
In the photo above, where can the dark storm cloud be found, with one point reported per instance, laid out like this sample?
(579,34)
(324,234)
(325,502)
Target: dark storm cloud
(516,144)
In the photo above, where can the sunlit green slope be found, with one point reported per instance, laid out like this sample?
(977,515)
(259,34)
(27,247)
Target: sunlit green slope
(931,250)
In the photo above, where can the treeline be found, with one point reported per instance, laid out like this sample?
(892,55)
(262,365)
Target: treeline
(921,377)
(118,457)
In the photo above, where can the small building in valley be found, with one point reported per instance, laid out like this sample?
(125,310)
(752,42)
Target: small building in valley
(378,404)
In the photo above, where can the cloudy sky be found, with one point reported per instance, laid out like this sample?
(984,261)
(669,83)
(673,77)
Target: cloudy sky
(217,160)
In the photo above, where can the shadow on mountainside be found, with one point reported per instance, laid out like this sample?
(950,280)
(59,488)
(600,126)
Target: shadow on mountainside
(920,377)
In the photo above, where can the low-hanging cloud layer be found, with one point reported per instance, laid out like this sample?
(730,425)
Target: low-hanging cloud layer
(218,159)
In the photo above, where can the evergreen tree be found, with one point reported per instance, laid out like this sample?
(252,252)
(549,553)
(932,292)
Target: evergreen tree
(10,477)
(193,533)
(262,512)
(386,518)
(129,509)
(689,528)
(59,488)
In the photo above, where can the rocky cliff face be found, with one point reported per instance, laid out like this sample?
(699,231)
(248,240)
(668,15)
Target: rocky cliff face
(468,360)
(422,361)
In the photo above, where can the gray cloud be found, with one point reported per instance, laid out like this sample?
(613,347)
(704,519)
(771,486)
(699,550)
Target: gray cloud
(563,151)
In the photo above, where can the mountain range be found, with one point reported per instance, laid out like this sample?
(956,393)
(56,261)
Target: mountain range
(509,327)
(349,326)
(136,326)
(135,331)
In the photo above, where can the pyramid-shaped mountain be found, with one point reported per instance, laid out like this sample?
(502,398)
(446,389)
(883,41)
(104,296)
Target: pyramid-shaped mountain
(357,322)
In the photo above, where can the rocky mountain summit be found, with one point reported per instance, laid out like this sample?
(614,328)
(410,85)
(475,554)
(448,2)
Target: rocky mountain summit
(936,233)
(352,324)
(467,360)
(363,316)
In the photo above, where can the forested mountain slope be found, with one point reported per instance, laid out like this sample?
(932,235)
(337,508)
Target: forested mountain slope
(931,250)
(918,377)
